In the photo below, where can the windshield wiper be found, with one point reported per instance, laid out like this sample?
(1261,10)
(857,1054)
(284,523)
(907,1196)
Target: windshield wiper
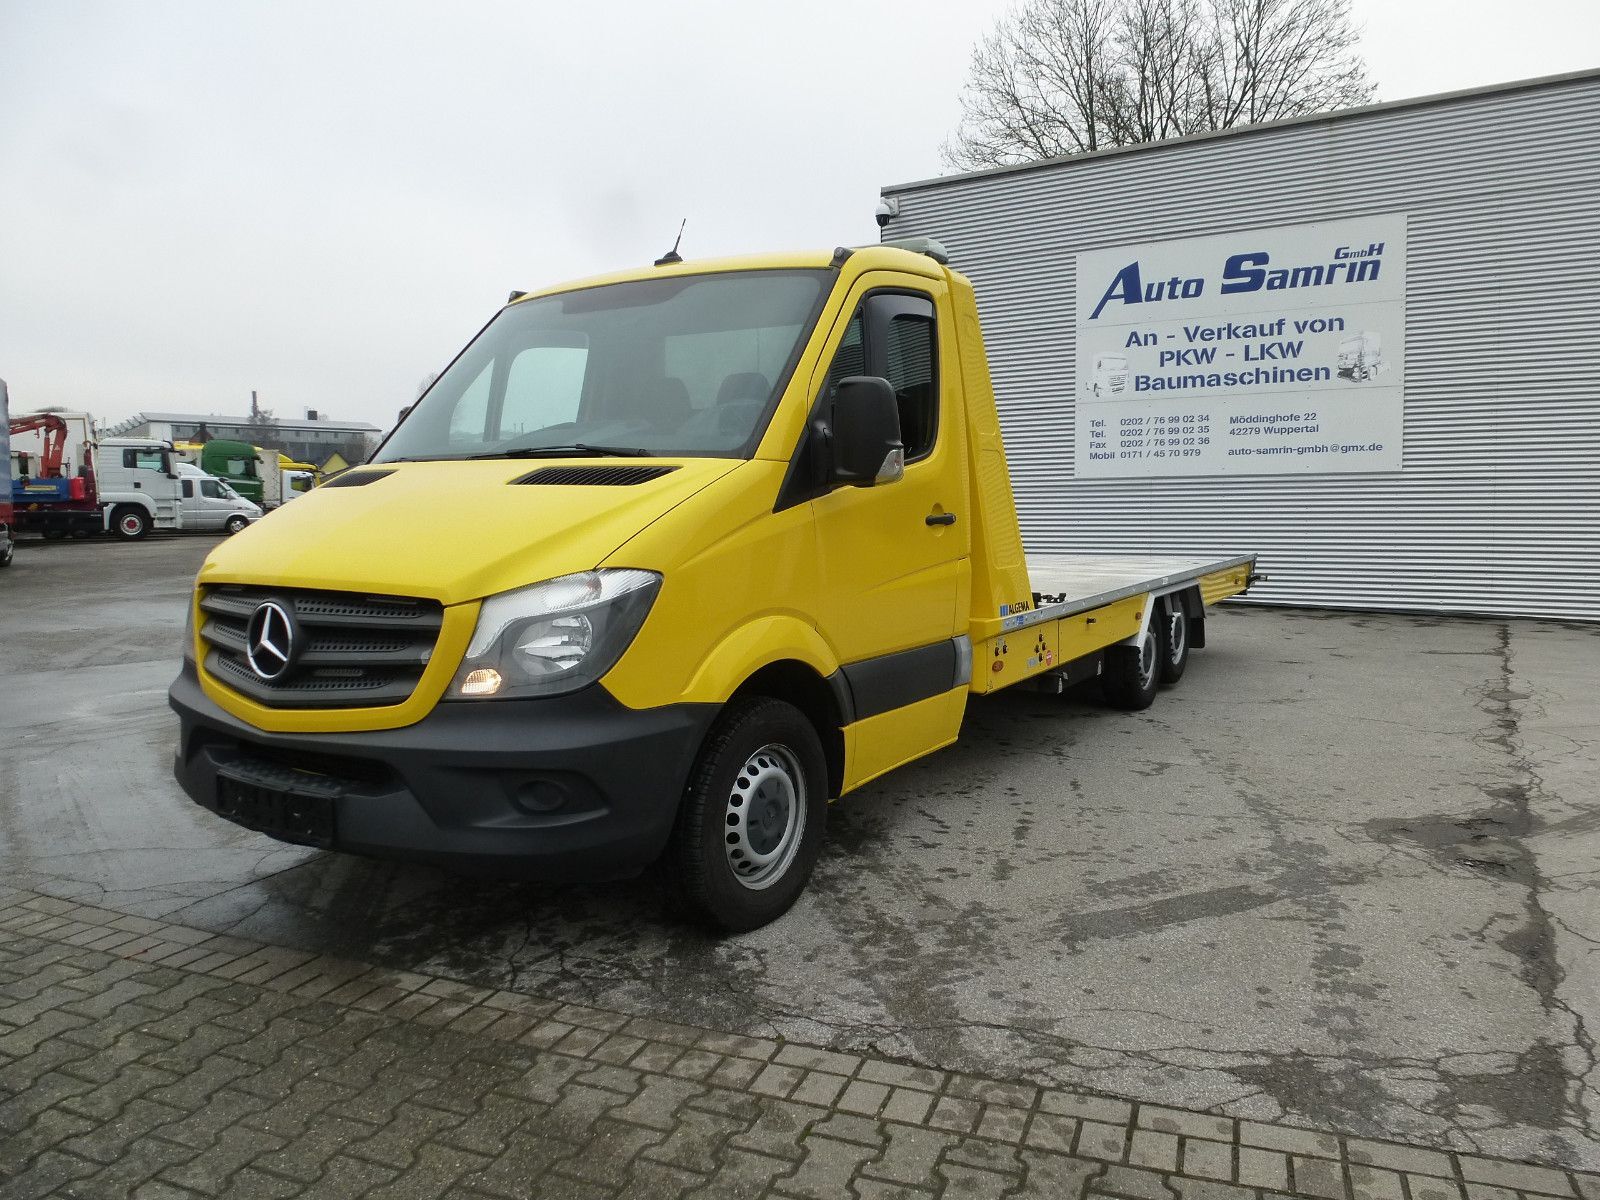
(571,450)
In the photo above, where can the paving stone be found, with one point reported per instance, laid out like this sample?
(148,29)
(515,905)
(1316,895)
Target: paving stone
(909,1105)
(607,1158)
(658,1181)
(694,1140)
(1172,1120)
(743,1175)
(988,1156)
(1426,1187)
(1588,1185)
(992,1091)
(1399,1158)
(657,1056)
(1288,1139)
(778,1129)
(658,1101)
(777,1081)
(1002,1123)
(396,1143)
(848,1127)
(1153,1149)
(307,1156)
(1266,1169)
(575,1116)
(614,1079)
(1488,1191)
(959,1116)
(1047,1131)
(817,1060)
(617,1049)
(1206,1189)
(736,1046)
(1090,1108)
(1521,1177)
(864,1098)
(826,1170)
(897,1075)
(819,1087)
(1317,1177)
(1098,1140)
(695,1064)
(971,1183)
(1208,1160)
(210,1170)
(1374,1183)
(1053,1176)
(735,1072)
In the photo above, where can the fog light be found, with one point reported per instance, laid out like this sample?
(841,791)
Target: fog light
(484,681)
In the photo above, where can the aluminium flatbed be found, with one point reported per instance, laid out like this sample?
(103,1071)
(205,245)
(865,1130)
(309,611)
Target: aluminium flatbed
(1082,605)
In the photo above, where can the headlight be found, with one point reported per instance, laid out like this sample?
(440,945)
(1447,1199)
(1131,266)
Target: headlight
(555,636)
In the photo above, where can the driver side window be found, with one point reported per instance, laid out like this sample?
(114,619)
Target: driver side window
(893,335)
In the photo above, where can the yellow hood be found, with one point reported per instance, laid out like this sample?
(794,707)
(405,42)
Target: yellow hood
(453,531)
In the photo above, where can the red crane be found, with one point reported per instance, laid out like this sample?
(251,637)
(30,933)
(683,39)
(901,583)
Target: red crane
(55,441)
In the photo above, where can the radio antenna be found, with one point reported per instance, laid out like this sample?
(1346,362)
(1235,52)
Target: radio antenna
(672,256)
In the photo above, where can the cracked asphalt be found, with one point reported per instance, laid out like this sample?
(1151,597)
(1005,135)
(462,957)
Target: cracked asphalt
(1342,875)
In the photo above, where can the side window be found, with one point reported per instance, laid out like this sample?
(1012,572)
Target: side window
(188,489)
(910,349)
(893,335)
(147,460)
(851,357)
(208,487)
(543,388)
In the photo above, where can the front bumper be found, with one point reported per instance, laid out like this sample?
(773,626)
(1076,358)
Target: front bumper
(571,787)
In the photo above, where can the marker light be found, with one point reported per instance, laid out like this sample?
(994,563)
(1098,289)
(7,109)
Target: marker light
(484,681)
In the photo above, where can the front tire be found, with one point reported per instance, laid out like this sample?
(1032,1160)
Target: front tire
(750,828)
(236,524)
(1133,673)
(130,523)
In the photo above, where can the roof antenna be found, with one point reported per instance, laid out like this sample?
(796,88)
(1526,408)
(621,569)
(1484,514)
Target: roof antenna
(672,256)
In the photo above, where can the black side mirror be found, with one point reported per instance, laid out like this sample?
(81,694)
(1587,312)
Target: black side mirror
(867,449)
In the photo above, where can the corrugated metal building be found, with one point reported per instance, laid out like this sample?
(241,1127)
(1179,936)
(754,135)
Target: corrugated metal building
(1494,506)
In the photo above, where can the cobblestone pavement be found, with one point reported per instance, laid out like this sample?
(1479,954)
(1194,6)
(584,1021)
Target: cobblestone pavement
(145,1059)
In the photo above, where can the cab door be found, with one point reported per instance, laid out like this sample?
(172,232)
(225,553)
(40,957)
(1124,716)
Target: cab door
(894,558)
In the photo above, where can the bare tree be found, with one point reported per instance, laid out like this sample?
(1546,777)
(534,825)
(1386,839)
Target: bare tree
(1071,76)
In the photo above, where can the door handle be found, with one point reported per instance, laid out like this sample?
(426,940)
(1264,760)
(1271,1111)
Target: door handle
(939,519)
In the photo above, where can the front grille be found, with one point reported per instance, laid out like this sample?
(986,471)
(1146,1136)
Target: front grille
(350,650)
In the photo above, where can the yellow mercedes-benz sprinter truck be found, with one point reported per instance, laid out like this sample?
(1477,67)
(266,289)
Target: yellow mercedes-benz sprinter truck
(662,563)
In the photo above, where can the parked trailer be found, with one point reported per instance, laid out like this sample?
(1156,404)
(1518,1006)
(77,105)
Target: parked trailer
(660,617)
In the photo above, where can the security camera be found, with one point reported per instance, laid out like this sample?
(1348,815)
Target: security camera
(888,209)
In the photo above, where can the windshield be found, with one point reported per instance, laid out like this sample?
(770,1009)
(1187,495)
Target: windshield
(688,365)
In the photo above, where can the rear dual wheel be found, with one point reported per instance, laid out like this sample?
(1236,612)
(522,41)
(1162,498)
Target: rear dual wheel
(1133,674)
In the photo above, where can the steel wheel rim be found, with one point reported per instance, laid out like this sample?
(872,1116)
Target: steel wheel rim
(131,525)
(1177,637)
(1147,659)
(764,817)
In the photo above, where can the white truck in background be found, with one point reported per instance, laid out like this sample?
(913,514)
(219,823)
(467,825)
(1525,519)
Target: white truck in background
(64,481)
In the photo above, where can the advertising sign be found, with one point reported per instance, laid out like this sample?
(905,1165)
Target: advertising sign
(1269,351)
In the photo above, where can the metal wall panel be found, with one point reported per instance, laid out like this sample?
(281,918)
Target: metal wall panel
(1497,506)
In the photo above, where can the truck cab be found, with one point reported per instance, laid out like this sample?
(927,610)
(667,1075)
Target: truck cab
(661,564)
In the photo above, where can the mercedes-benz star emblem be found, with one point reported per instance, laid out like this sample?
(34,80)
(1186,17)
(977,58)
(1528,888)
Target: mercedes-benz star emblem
(269,641)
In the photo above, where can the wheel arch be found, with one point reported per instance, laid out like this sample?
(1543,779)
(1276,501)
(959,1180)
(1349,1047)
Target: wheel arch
(823,701)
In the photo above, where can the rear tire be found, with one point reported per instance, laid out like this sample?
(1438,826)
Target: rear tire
(750,827)
(129,522)
(1133,673)
(1174,644)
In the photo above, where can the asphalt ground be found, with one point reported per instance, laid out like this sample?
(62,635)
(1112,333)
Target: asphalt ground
(1340,876)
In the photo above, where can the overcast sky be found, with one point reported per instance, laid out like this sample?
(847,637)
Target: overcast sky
(323,201)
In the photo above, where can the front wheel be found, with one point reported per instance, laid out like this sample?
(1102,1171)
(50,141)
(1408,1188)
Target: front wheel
(235,524)
(1133,673)
(130,523)
(751,825)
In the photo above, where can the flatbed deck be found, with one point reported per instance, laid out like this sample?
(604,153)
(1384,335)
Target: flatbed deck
(1067,584)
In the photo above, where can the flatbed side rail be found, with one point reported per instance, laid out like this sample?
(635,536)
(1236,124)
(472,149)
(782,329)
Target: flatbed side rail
(1049,609)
